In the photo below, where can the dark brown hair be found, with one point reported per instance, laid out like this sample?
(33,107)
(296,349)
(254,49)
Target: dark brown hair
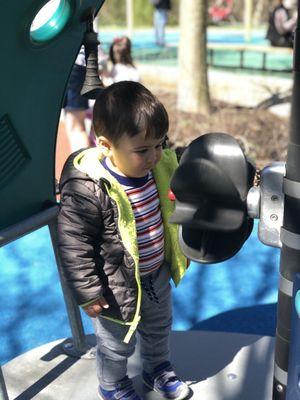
(129,108)
(120,51)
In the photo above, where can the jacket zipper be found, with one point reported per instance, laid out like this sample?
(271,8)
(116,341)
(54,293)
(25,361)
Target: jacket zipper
(136,319)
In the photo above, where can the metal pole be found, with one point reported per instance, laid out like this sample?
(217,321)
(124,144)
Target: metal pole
(14,232)
(48,217)
(290,237)
(29,225)
(79,341)
(248,11)
(3,391)
(129,18)
(293,390)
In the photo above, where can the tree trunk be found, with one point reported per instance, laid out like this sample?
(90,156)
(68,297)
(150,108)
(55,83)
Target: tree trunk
(193,90)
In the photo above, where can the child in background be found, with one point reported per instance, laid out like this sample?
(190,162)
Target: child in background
(123,67)
(118,250)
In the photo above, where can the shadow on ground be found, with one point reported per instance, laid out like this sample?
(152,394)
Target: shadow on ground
(256,320)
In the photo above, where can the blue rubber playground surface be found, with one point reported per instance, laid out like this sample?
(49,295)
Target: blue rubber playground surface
(238,295)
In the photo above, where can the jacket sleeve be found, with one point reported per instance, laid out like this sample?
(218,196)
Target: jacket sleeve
(79,236)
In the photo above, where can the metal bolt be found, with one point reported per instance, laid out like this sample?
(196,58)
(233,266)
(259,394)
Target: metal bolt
(68,345)
(273,217)
(274,197)
(279,388)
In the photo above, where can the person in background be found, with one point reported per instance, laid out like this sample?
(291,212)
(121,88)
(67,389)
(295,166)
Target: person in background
(160,19)
(221,10)
(282,24)
(77,106)
(117,248)
(123,68)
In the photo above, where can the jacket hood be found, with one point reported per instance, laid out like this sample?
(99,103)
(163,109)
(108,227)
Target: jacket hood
(71,171)
(89,162)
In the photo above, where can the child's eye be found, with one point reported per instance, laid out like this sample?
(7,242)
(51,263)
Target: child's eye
(144,151)
(141,151)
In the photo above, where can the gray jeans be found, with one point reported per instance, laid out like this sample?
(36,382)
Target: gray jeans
(154,330)
(160,20)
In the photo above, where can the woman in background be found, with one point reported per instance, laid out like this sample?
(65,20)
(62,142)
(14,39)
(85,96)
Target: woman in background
(123,68)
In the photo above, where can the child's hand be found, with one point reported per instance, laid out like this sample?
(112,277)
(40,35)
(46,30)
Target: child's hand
(94,309)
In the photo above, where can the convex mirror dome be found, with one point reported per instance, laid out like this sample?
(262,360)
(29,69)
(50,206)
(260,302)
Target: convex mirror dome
(211,186)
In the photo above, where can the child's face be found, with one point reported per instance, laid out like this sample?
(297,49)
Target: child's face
(135,156)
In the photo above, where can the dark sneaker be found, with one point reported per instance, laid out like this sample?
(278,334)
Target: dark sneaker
(164,381)
(123,391)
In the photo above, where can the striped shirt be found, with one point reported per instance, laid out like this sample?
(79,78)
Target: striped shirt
(143,196)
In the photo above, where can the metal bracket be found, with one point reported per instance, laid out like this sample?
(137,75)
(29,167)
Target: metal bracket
(266,203)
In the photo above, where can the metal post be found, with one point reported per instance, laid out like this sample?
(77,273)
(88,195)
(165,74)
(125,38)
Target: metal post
(293,389)
(290,237)
(248,19)
(242,59)
(211,53)
(14,232)
(29,225)
(3,391)
(264,61)
(79,341)
(48,217)
(129,18)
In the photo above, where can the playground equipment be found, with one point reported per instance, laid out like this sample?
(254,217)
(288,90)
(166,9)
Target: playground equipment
(40,53)
(215,215)
(27,170)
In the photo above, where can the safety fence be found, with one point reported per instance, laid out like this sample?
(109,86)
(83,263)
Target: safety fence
(221,55)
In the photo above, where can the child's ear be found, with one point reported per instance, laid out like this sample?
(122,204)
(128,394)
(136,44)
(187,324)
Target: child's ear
(104,144)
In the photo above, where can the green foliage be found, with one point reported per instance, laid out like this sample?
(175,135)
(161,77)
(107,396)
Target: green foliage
(113,12)
(174,15)
(143,11)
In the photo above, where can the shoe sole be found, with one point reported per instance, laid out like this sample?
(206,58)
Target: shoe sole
(100,397)
(181,397)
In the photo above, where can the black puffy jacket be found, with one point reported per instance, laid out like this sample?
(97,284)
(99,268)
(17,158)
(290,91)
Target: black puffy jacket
(93,258)
(97,235)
